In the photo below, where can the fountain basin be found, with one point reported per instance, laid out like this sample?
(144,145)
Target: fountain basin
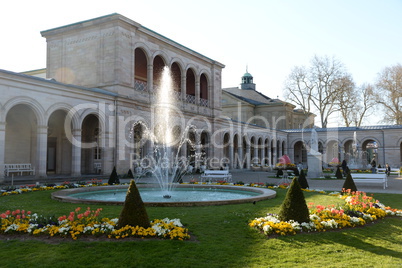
(256,194)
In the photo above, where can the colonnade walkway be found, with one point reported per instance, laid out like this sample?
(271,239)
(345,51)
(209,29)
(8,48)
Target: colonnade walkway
(245,176)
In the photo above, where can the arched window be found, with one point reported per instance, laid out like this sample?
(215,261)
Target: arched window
(140,70)
(190,86)
(203,90)
(159,64)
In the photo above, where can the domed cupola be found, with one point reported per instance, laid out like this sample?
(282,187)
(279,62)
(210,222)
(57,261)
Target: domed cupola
(247,81)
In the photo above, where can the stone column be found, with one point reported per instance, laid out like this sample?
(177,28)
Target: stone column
(231,158)
(239,157)
(183,87)
(274,155)
(248,156)
(2,150)
(256,159)
(76,153)
(150,77)
(41,156)
(197,91)
(262,160)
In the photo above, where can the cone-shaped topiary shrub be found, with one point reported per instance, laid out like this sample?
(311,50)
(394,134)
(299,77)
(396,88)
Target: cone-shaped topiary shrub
(130,174)
(338,174)
(349,183)
(133,212)
(347,170)
(302,180)
(294,205)
(279,173)
(113,179)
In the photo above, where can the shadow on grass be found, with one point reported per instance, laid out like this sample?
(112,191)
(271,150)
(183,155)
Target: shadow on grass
(382,238)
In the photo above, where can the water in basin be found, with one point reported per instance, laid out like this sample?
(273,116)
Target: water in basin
(180,195)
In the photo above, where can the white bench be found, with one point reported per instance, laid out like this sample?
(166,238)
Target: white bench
(217,174)
(98,168)
(370,178)
(18,168)
(394,171)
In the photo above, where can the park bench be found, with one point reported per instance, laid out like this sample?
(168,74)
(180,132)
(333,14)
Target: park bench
(98,168)
(18,168)
(216,174)
(380,178)
(394,171)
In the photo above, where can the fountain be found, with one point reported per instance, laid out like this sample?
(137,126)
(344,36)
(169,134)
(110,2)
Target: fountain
(165,163)
(167,167)
(356,157)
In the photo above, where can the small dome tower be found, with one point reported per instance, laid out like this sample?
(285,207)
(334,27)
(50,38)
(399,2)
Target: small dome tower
(247,81)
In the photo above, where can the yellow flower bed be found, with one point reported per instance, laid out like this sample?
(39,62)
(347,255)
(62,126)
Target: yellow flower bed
(359,209)
(78,224)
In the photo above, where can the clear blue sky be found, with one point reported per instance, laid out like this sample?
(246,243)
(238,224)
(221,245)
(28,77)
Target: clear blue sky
(270,36)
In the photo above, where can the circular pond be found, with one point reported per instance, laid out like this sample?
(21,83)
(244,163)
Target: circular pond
(183,195)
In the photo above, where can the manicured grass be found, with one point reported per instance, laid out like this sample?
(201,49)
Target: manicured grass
(223,239)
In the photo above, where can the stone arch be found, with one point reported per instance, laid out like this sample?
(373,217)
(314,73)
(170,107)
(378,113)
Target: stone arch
(21,133)
(191,85)
(176,71)
(370,146)
(300,152)
(93,110)
(30,102)
(204,90)
(91,149)
(158,62)
(74,121)
(59,148)
(178,61)
(141,62)
(141,142)
(145,49)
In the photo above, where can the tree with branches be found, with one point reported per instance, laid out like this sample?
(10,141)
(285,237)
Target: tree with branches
(356,103)
(317,88)
(389,93)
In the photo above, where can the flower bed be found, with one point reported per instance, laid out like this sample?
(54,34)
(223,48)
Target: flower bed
(9,190)
(88,223)
(359,209)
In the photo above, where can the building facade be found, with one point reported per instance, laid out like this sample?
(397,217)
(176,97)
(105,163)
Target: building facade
(93,106)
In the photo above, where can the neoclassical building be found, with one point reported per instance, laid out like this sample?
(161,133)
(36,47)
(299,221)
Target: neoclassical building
(93,106)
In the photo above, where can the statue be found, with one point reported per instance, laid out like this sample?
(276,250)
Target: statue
(313,142)
(314,158)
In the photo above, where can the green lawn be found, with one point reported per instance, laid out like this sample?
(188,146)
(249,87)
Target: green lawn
(222,239)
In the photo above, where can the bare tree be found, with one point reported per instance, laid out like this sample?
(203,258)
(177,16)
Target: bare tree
(317,88)
(347,99)
(389,93)
(298,88)
(356,103)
